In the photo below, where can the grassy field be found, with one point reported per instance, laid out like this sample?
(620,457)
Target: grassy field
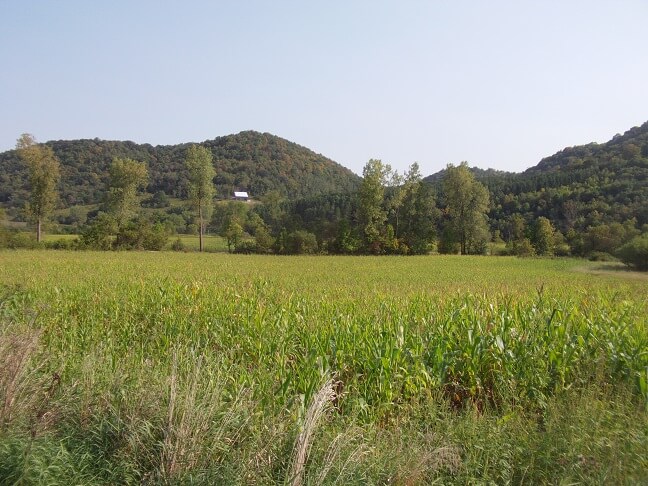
(233,369)
(213,243)
(192,243)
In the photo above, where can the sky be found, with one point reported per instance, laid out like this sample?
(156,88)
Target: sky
(497,83)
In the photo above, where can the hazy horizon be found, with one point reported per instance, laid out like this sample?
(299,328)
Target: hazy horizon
(499,84)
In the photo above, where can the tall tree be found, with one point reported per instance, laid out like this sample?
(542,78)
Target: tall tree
(127,177)
(466,206)
(372,213)
(419,213)
(543,236)
(516,227)
(44,175)
(201,184)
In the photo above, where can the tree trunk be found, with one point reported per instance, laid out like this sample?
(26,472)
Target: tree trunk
(200,224)
(38,230)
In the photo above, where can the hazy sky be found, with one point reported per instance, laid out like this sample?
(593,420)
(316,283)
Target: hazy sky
(497,83)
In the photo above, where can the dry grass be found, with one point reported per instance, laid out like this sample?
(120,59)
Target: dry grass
(200,427)
(18,381)
(320,402)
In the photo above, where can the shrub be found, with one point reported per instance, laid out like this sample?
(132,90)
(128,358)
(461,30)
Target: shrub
(178,245)
(62,244)
(635,253)
(246,247)
(562,249)
(141,235)
(21,239)
(448,245)
(98,234)
(521,248)
(601,256)
(301,242)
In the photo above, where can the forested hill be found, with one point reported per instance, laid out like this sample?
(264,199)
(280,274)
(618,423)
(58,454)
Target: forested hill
(248,161)
(578,186)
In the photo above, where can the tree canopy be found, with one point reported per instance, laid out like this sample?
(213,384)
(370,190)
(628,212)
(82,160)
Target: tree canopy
(127,177)
(201,185)
(44,175)
(466,207)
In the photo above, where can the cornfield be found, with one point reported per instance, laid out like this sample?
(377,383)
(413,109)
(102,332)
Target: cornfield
(128,368)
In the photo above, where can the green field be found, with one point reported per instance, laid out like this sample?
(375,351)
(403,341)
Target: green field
(190,242)
(168,367)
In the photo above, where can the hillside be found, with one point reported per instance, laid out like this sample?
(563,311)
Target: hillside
(578,186)
(575,188)
(249,161)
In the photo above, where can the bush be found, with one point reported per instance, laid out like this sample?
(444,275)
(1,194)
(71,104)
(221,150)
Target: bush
(448,246)
(178,245)
(62,244)
(21,239)
(98,235)
(141,235)
(246,247)
(302,242)
(521,248)
(635,253)
(601,256)
(562,249)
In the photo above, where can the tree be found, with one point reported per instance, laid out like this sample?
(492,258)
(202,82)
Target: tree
(263,240)
(466,206)
(44,175)
(301,242)
(127,177)
(201,184)
(419,214)
(233,235)
(543,236)
(516,227)
(273,210)
(372,213)
(635,253)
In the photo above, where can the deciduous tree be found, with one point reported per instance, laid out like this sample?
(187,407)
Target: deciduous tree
(44,175)
(201,184)
(127,177)
(466,206)
(419,213)
(372,212)
(543,236)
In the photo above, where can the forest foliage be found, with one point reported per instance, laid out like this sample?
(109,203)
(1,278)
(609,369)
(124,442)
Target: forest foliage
(584,201)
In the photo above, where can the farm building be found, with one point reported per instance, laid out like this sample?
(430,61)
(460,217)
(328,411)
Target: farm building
(241,196)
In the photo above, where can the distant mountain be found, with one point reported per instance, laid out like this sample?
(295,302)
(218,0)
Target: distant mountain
(578,186)
(249,161)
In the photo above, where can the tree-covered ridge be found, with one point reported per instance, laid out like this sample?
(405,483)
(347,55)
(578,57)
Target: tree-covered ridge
(251,161)
(577,187)
(583,186)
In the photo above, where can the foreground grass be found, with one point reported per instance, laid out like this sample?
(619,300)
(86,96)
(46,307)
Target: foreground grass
(132,367)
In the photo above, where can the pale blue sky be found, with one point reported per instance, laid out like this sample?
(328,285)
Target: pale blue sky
(497,83)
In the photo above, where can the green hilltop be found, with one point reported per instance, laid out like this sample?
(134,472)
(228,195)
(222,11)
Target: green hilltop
(248,161)
(577,187)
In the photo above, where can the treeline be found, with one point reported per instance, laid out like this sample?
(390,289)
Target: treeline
(459,210)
